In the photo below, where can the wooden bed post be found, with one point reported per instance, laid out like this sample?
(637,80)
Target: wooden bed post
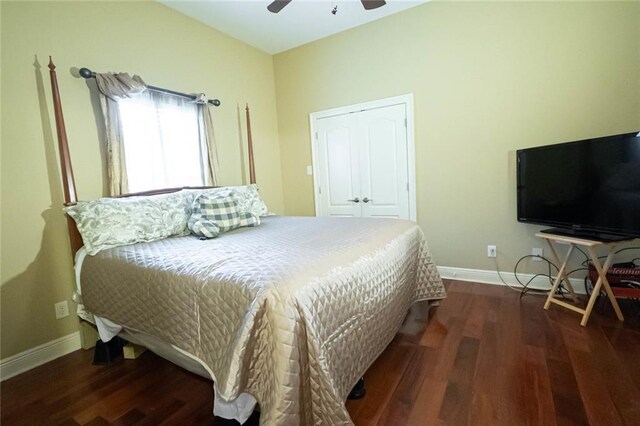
(252,169)
(88,334)
(68,180)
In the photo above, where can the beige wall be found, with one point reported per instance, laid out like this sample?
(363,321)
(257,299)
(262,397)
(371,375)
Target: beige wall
(168,50)
(488,78)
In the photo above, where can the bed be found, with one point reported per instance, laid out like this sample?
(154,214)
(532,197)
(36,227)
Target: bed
(291,312)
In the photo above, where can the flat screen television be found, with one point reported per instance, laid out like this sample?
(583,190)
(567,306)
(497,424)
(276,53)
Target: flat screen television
(588,188)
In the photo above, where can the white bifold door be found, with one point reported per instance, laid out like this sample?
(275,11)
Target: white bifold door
(362,163)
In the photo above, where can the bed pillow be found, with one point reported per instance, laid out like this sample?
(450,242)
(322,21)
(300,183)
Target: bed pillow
(204,228)
(214,213)
(248,197)
(249,219)
(113,222)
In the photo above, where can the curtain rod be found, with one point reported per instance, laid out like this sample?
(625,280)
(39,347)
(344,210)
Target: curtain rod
(87,73)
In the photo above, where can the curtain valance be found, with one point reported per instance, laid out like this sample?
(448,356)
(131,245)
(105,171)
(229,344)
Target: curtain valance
(118,86)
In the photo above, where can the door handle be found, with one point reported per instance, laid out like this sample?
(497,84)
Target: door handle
(366,200)
(355,200)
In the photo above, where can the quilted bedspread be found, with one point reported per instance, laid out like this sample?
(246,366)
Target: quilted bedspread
(293,311)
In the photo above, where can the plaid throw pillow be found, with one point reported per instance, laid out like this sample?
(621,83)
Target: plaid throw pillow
(213,214)
(249,219)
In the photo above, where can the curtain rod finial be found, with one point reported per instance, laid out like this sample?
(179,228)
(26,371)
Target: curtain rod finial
(51,65)
(85,72)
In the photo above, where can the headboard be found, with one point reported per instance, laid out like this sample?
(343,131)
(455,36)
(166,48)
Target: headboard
(66,168)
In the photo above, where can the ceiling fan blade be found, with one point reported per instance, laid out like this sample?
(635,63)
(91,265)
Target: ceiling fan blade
(372,4)
(277,5)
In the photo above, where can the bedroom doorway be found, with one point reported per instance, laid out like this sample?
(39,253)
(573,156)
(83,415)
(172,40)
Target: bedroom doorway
(364,160)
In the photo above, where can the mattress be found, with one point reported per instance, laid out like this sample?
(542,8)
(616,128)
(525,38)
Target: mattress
(292,312)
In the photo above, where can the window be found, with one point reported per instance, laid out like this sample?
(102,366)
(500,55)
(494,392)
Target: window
(164,145)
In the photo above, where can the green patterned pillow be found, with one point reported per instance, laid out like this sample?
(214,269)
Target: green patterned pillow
(112,222)
(249,199)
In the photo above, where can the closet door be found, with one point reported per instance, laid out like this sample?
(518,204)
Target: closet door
(383,162)
(338,166)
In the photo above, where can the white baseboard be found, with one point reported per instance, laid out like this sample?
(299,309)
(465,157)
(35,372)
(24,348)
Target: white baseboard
(492,277)
(31,358)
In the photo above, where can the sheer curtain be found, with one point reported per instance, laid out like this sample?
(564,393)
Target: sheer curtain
(164,147)
(155,140)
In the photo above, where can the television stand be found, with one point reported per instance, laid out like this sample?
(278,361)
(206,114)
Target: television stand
(602,282)
(585,235)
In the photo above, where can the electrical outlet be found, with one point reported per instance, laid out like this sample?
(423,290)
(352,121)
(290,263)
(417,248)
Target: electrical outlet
(309,170)
(538,253)
(62,309)
(492,251)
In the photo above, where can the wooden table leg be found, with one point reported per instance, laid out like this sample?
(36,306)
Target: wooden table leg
(559,277)
(564,275)
(602,282)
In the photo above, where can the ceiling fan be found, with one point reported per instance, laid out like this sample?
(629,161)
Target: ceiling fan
(278,5)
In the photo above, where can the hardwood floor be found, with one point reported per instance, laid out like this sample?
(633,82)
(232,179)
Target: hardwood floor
(485,358)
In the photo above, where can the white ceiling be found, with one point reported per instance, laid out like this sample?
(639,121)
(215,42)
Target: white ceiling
(300,22)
